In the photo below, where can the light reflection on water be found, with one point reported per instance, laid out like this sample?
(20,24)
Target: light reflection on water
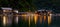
(54,21)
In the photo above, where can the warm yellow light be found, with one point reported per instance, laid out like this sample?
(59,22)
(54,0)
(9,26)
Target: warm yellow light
(31,17)
(24,17)
(35,18)
(4,20)
(44,18)
(29,21)
(49,20)
(40,19)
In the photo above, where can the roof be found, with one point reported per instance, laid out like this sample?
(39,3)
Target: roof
(5,8)
(44,10)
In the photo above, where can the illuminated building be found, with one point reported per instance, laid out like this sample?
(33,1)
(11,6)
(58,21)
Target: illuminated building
(10,17)
(15,18)
(7,16)
(45,17)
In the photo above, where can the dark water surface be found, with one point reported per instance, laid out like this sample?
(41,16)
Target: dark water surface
(21,23)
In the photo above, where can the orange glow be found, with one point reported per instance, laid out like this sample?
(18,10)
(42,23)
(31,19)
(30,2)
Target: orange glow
(40,19)
(49,20)
(44,18)
(29,21)
(35,18)
(24,17)
(32,17)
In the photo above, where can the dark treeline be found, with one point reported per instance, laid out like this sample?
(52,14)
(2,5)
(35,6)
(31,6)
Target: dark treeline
(22,5)
(25,5)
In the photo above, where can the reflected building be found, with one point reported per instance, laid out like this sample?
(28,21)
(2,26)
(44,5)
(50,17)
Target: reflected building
(15,18)
(44,17)
(7,16)
(10,17)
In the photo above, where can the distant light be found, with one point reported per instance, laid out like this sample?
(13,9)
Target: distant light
(50,14)
(41,10)
(16,11)
(6,8)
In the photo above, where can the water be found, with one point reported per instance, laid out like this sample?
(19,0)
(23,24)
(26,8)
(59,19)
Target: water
(55,22)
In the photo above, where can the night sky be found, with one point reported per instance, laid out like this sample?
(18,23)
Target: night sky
(39,4)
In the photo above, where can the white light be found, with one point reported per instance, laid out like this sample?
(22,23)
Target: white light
(6,8)
(16,11)
(16,19)
(50,15)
